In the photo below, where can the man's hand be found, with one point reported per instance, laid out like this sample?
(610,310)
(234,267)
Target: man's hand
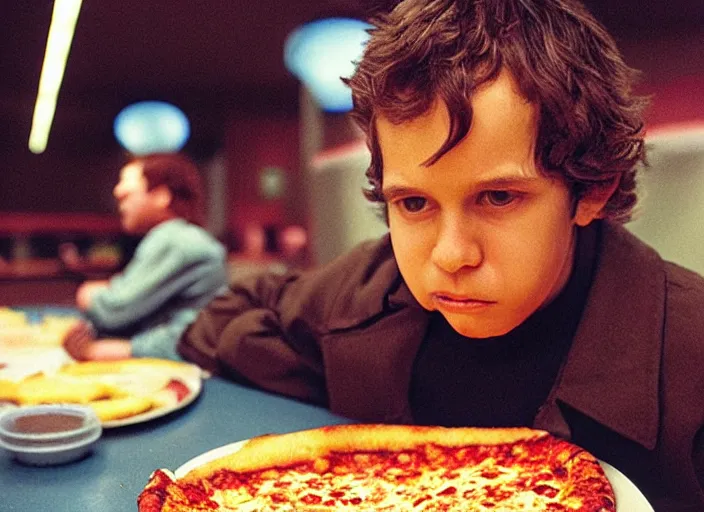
(78,341)
(85,292)
(81,344)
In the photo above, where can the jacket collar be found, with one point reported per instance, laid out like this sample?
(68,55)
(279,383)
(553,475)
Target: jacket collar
(612,370)
(373,312)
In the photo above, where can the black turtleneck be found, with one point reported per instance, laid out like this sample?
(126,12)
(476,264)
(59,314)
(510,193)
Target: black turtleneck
(501,381)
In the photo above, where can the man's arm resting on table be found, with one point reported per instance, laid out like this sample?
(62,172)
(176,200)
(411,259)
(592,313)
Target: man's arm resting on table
(85,292)
(109,349)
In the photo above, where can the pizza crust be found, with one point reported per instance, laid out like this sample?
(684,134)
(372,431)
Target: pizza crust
(288,449)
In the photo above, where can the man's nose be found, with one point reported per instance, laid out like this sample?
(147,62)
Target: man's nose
(458,244)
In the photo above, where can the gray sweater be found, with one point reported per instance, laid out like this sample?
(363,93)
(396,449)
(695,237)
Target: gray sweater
(176,270)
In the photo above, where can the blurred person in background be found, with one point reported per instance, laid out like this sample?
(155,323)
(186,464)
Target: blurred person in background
(177,268)
(505,143)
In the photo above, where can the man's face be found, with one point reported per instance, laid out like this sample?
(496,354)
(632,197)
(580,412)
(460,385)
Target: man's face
(140,210)
(481,235)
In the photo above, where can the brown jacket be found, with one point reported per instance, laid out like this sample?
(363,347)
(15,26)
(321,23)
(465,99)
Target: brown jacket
(346,335)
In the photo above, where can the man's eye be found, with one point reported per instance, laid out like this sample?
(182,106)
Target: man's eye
(413,204)
(498,197)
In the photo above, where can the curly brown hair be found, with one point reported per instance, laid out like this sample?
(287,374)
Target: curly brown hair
(591,128)
(181,176)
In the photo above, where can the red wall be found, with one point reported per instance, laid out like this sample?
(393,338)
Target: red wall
(679,101)
(250,145)
(672,73)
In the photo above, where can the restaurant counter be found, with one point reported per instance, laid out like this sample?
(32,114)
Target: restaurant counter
(111,478)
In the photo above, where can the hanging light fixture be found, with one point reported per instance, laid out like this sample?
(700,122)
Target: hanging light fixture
(151,127)
(319,53)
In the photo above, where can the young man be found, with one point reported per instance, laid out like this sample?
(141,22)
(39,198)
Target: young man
(504,141)
(177,268)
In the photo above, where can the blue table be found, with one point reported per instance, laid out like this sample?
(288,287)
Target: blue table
(111,478)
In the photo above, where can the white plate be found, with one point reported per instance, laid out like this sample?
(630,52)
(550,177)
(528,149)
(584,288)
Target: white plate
(208,456)
(192,379)
(189,375)
(628,497)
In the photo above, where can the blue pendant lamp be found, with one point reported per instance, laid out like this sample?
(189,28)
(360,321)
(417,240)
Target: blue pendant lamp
(151,127)
(320,52)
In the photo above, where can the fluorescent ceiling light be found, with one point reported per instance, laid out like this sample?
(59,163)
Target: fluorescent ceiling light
(58,44)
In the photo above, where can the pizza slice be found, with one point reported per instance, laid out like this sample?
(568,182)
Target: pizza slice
(391,468)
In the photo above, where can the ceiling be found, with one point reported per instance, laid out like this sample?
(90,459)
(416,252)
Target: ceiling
(211,57)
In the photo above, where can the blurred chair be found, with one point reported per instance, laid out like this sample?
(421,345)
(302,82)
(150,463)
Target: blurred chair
(670,213)
(341,216)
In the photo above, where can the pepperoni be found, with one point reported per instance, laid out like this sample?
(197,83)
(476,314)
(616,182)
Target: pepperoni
(448,491)
(314,483)
(195,494)
(545,490)
(311,499)
(556,507)
(229,480)
(560,472)
(421,500)
(278,498)
(498,493)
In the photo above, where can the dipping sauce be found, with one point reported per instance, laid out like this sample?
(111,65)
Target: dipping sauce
(46,423)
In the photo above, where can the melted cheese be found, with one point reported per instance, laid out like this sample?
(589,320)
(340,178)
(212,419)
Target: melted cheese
(484,487)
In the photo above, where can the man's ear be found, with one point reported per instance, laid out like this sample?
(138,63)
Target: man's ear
(162,196)
(591,205)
